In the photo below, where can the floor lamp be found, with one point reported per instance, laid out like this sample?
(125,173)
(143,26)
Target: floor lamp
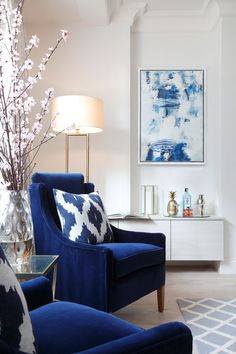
(77,115)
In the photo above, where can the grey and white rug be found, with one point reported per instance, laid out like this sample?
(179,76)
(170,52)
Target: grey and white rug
(212,322)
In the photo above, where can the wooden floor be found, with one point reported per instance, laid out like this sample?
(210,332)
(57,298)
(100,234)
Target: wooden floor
(192,282)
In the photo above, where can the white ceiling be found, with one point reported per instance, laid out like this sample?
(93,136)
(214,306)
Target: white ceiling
(99,12)
(89,12)
(173,5)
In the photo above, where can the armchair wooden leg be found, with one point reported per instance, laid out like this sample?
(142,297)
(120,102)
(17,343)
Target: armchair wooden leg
(161,298)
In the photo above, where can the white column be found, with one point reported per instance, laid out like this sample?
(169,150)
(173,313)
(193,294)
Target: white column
(228,137)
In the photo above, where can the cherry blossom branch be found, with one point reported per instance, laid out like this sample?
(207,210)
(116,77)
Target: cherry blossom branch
(16,103)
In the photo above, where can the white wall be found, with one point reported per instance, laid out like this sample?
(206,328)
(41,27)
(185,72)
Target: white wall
(95,61)
(214,50)
(179,51)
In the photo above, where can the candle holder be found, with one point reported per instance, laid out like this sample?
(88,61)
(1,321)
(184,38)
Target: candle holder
(149,193)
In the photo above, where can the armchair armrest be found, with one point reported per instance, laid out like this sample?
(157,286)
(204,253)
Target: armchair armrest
(157,238)
(172,337)
(38,292)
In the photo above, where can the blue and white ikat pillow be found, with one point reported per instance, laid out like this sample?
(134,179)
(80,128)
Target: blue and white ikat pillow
(15,324)
(83,217)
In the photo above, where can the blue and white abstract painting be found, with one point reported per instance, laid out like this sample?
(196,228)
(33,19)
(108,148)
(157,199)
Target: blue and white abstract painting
(171,116)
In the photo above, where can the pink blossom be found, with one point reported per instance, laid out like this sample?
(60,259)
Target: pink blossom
(29,103)
(49,92)
(17,21)
(37,127)
(31,80)
(38,116)
(34,41)
(28,64)
(44,102)
(42,67)
(64,34)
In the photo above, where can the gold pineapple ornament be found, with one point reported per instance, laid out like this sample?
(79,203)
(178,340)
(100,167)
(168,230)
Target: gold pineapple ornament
(172,206)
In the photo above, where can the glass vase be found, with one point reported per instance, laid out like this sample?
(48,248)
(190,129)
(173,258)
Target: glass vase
(16,227)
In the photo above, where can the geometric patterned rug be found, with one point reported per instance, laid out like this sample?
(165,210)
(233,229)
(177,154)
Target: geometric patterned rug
(212,322)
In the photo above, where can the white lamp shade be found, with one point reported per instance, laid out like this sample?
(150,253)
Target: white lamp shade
(77,114)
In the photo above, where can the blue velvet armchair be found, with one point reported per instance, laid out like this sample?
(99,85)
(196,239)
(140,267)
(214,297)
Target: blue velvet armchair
(64,327)
(106,276)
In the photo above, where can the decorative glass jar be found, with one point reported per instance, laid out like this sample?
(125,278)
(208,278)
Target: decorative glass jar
(16,227)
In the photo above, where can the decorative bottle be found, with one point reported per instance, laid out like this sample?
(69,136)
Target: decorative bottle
(172,206)
(187,203)
(200,204)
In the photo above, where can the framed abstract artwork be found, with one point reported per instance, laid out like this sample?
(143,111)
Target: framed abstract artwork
(171,114)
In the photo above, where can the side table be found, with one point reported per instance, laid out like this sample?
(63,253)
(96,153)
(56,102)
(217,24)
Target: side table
(39,265)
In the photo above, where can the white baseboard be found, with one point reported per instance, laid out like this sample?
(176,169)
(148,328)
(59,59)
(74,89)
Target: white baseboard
(227,267)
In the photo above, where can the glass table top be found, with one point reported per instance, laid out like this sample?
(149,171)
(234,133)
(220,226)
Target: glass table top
(38,265)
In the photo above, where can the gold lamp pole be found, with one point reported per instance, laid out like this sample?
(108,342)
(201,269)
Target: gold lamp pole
(67,136)
(77,116)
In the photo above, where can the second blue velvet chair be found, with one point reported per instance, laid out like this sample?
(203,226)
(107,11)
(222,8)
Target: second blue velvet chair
(105,276)
(65,327)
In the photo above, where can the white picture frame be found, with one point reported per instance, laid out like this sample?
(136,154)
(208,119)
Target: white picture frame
(172,116)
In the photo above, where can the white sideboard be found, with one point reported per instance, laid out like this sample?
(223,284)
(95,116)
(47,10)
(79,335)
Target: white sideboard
(187,239)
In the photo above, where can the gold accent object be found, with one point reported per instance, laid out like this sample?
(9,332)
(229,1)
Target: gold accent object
(172,206)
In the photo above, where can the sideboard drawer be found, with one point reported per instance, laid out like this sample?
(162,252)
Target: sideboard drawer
(197,240)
